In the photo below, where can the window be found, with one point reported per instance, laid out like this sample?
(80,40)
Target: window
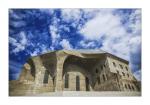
(104,66)
(104,77)
(87,84)
(121,66)
(77,83)
(114,64)
(98,79)
(126,68)
(129,86)
(132,87)
(123,73)
(46,75)
(96,71)
(128,75)
(117,72)
(66,80)
(53,80)
(101,67)
(125,86)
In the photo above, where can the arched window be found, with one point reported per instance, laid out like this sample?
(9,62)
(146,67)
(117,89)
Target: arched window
(98,79)
(77,83)
(114,64)
(125,86)
(129,86)
(132,87)
(45,77)
(96,70)
(87,84)
(104,77)
(67,81)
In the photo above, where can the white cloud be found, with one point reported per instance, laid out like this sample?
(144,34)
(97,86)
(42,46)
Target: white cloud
(107,25)
(35,52)
(137,74)
(66,44)
(23,40)
(87,44)
(54,33)
(135,22)
(116,39)
(18,24)
(118,47)
(135,43)
(71,14)
(103,24)
(19,44)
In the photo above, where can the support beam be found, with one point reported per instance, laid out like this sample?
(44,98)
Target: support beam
(61,56)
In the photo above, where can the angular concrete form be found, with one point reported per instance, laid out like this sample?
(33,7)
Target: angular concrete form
(81,70)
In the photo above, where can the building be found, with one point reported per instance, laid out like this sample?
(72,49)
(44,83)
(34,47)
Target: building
(80,70)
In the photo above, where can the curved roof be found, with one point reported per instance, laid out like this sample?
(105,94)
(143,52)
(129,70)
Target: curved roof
(86,52)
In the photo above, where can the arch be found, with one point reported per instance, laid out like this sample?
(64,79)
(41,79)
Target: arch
(83,66)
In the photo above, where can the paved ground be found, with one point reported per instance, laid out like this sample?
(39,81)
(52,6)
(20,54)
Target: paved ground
(88,94)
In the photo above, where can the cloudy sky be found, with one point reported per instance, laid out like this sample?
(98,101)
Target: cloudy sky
(36,31)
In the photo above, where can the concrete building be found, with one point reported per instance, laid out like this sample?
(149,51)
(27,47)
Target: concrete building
(80,70)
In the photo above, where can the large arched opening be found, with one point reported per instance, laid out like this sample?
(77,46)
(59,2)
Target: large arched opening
(77,73)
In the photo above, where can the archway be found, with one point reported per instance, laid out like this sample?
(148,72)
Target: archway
(79,71)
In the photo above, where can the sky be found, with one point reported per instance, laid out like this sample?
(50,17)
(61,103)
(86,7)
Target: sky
(37,31)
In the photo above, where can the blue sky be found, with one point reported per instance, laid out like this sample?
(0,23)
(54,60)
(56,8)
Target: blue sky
(36,31)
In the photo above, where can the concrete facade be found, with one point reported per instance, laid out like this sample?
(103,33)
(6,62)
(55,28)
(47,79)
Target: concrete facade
(74,71)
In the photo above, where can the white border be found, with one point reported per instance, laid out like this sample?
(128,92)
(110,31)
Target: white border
(6,4)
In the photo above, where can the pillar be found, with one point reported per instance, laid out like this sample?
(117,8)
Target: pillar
(61,56)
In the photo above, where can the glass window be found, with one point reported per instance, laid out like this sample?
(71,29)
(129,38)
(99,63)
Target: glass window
(128,75)
(121,66)
(87,84)
(114,64)
(101,67)
(96,71)
(104,77)
(132,87)
(46,75)
(129,86)
(67,81)
(125,86)
(126,68)
(123,73)
(98,79)
(117,72)
(77,83)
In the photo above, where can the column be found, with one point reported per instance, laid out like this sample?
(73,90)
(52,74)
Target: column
(59,71)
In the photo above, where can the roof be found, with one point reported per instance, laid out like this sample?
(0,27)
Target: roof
(81,52)
(90,51)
